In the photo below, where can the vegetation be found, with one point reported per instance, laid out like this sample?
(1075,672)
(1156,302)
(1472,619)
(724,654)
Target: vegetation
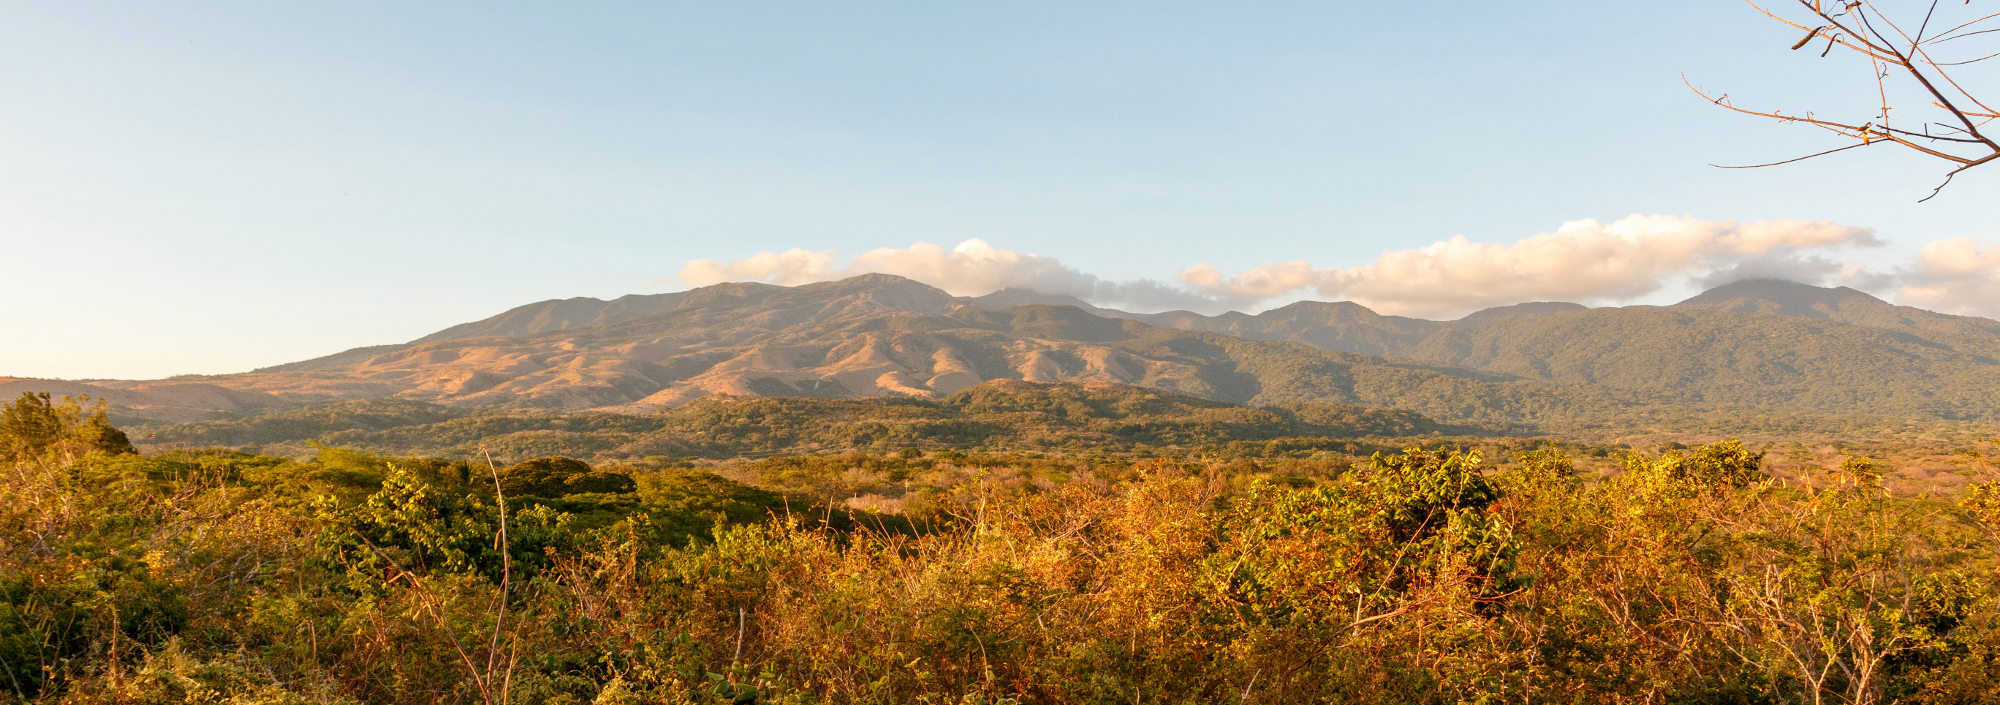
(1421,576)
(1742,360)
(1804,358)
(996,415)
(35,427)
(1075,420)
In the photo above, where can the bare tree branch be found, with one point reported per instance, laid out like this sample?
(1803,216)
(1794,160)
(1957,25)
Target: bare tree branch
(1862,27)
(1797,159)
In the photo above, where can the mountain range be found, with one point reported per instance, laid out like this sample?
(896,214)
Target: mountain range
(1758,344)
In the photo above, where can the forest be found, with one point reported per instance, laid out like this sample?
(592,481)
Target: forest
(1001,414)
(1441,571)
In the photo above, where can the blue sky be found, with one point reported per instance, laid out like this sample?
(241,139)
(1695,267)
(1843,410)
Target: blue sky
(212,187)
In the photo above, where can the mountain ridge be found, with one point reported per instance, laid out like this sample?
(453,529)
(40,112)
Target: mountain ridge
(1757,343)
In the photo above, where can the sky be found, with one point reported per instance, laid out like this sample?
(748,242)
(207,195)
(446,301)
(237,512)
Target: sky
(205,188)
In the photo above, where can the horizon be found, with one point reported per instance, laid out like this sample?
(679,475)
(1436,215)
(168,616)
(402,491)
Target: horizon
(417,341)
(251,185)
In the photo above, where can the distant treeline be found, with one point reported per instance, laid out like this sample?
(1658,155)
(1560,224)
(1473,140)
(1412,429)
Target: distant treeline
(997,415)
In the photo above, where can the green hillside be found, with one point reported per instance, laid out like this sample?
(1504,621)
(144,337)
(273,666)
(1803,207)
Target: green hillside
(1758,354)
(1266,372)
(1752,347)
(996,415)
(1706,357)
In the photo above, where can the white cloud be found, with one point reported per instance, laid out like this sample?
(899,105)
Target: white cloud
(1808,269)
(972,268)
(1954,276)
(1583,261)
(1151,296)
(789,268)
(975,268)
(1256,284)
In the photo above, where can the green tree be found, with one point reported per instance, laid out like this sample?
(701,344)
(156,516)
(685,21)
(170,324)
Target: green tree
(30,424)
(34,424)
(558,476)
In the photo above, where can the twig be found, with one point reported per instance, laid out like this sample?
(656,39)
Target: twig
(1859,26)
(506,576)
(1788,161)
(739,638)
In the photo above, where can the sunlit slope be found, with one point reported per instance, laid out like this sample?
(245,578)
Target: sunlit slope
(998,414)
(1748,348)
(671,358)
(874,335)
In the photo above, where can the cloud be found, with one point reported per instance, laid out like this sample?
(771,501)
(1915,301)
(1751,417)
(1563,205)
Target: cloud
(1256,284)
(789,268)
(1808,269)
(1954,276)
(1583,261)
(1150,296)
(973,268)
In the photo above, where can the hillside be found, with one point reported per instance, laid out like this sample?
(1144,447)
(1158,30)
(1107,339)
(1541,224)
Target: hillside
(1756,343)
(1969,334)
(1696,356)
(1002,414)
(1756,349)
(175,399)
(1352,327)
(868,336)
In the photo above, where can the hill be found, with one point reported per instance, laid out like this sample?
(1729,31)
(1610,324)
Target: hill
(1750,344)
(1343,325)
(1002,414)
(1697,356)
(1752,350)
(1969,334)
(174,399)
(869,336)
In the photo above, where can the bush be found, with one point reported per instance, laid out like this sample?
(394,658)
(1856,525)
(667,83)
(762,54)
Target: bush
(559,476)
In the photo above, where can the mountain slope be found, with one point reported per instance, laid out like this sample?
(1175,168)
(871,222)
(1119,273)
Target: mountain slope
(1758,343)
(1753,347)
(558,315)
(674,357)
(894,293)
(865,336)
(167,400)
(1351,327)
(1969,334)
(1697,356)
(1343,325)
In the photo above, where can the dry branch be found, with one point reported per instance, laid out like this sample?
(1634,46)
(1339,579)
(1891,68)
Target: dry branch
(1861,27)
